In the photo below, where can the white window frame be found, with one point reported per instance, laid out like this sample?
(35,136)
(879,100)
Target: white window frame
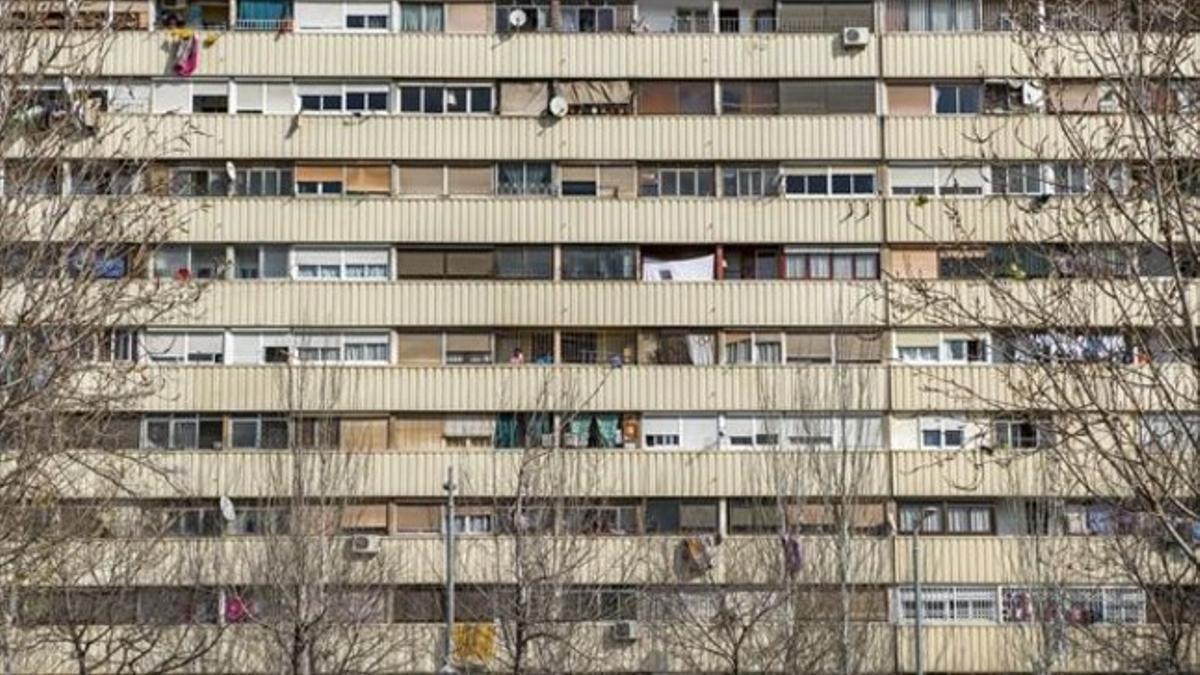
(342,265)
(257,420)
(341,340)
(951,598)
(941,425)
(958,87)
(471,524)
(444,86)
(344,91)
(174,421)
(829,173)
(185,356)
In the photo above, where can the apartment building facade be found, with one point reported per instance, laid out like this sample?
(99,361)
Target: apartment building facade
(659,243)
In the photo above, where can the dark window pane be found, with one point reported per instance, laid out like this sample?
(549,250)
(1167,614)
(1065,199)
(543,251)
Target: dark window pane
(310,102)
(356,101)
(410,99)
(433,99)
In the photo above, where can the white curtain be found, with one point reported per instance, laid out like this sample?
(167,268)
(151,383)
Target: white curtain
(702,349)
(689,269)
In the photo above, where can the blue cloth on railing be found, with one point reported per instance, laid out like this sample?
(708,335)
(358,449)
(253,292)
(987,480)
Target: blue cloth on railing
(264,10)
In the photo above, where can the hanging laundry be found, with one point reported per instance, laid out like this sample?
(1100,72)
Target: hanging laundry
(187,56)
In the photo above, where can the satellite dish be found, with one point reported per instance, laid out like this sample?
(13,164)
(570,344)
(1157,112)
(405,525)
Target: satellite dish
(230,171)
(558,106)
(227,510)
(517,18)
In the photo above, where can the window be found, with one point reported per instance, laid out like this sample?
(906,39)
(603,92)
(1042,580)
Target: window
(349,348)
(671,516)
(473,523)
(315,433)
(260,262)
(757,347)
(917,353)
(368,17)
(185,262)
(181,432)
(1019,434)
(524,178)
(199,182)
(184,347)
(957,99)
(676,181)
(948,603)
(536,17)
(947,518)
(964,350)
(598,262)
(598,346)
(1070,179)
(351,98)
(754,516)
(749,97)
(1018,179)
(354,264)
(939,434)
(750,431)
(468,348)
(664,97)
(264,182)
(593,18)
(749,181)
(802,263)
(270,433)
(1074,606)
(831,182)
(937,15)
(422,17)
(445,98)
(318,180)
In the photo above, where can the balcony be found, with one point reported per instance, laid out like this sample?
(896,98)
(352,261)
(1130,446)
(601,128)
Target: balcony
(438,304)
(489,559)
(666,138)
(564,220)
(1002,137)
(419,473)
(507,388)
(525,55)
(1013,560)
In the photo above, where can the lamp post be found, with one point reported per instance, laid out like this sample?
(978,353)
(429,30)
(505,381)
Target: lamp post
(918,647)
(448,640)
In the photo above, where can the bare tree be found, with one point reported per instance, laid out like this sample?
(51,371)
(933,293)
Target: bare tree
(1088,294)
(312,601)
(794,599)
(79,223)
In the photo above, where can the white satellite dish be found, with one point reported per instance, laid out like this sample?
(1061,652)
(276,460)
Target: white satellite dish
(227,510)
(558,106)
(230,171)
(517,18)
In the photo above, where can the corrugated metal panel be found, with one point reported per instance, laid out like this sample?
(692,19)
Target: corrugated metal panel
(406,473)
(1001,303)
(938,474)
(510,56)
(969,219)
(502,220)
(1002,137)
(654,388)
(938,388)
(651,137)
(583,303)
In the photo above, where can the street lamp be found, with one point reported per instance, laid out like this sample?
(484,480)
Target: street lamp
(918,648)
(448,642)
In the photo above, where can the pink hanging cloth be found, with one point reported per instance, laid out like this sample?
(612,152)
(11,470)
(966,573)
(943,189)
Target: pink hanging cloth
(187,56)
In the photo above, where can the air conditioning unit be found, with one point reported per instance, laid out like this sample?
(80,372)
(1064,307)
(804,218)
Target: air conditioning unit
(366,544)
(574,441)
(626,631)
(856,36)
